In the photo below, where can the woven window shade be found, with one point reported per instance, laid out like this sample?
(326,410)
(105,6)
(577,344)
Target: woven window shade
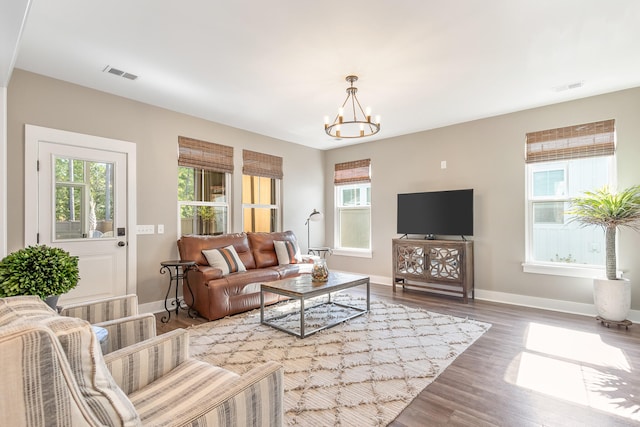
(205,155)
(573,142)
(352,172)
(260,164)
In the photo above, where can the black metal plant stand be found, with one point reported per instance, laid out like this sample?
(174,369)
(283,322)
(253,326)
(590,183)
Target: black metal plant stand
(177,271)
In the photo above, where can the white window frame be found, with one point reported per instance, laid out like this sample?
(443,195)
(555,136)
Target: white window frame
(196,203)
(355,252)
(277,206)
(555,268)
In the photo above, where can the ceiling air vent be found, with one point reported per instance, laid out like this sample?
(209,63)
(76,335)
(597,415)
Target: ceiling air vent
(119,73)
(569,86)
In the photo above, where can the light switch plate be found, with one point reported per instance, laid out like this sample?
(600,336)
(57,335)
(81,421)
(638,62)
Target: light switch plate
(160,228)
(145,229)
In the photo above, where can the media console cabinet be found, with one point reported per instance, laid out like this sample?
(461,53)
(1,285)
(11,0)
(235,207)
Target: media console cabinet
(440,266)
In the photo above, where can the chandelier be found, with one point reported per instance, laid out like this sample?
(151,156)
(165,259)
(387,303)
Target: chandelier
(352,121)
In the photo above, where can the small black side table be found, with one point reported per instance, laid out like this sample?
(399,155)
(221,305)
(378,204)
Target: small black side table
(177,271)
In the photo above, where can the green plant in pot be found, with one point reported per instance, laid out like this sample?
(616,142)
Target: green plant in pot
(38,270)
(609,210)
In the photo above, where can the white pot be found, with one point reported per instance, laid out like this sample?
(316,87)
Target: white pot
(612,298)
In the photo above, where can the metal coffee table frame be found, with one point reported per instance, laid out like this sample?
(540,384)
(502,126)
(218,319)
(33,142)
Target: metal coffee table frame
(303,288)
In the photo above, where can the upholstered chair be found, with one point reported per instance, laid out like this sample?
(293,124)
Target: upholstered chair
(54,374)
(118,316)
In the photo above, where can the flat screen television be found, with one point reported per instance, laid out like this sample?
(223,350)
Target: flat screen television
(446,213)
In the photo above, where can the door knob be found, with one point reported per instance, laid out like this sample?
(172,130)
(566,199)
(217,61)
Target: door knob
(121,243)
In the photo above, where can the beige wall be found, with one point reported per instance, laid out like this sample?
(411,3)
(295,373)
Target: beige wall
(487,155)
(38,100)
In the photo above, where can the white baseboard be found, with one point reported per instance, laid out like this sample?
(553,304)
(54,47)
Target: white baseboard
(528,301)
(480,294)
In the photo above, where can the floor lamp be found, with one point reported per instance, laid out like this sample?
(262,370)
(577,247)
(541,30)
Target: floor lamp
(313,216)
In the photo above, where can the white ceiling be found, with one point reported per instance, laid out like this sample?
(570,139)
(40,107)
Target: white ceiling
(277,67)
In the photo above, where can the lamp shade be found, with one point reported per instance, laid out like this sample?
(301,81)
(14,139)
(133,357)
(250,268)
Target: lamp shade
(315,216)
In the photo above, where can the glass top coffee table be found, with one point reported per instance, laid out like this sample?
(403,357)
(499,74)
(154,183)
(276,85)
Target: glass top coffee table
(302,288)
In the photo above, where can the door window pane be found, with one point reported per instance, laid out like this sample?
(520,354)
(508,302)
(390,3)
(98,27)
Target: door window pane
(69,214)
(84,199)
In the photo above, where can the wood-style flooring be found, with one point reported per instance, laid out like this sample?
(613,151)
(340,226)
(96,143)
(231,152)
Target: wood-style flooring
(532,368)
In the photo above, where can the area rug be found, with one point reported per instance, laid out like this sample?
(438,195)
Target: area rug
(362,372)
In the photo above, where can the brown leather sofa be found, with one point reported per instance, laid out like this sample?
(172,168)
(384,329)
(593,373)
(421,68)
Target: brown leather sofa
(217,296)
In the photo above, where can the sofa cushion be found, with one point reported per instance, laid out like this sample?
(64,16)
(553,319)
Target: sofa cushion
(287,252)
(203,382)
(288,270)
(226,259)
(191,247)
(238,281)
(264,252)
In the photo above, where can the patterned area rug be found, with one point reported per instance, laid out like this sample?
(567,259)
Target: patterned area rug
(362,372)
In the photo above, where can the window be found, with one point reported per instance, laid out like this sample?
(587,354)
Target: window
(204,171)
(562,164)
(353,206)
(83,199)
(261,178)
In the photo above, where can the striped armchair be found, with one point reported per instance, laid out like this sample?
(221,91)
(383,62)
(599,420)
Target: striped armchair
(54,374)
(119,316)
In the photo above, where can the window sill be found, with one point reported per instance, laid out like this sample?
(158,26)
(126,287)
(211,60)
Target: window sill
(352,252)
(564,270)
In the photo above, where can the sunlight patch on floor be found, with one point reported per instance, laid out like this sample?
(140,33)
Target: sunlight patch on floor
(575,345)
(578,367)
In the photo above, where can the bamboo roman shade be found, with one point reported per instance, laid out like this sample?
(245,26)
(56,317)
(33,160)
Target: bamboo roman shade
(572,142)
(205,155)
(352,172)
(260,164)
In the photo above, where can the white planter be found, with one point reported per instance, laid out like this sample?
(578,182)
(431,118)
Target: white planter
(612,298)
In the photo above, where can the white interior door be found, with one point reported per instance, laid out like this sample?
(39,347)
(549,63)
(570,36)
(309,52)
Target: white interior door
(82,206)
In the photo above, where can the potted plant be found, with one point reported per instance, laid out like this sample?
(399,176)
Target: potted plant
(38,270)
(609,210)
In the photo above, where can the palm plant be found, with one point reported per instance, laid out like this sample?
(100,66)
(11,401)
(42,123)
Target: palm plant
(608,210)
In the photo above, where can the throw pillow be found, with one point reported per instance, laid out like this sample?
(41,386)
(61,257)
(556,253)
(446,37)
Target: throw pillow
(100,391)
(226,259)
(287,252)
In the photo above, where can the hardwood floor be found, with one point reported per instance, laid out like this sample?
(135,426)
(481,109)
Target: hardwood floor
(532,368)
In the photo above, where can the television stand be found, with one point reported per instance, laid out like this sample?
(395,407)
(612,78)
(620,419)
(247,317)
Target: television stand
(439,266)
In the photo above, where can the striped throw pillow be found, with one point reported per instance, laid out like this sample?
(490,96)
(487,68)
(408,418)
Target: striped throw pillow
(226,259)
(287,252)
